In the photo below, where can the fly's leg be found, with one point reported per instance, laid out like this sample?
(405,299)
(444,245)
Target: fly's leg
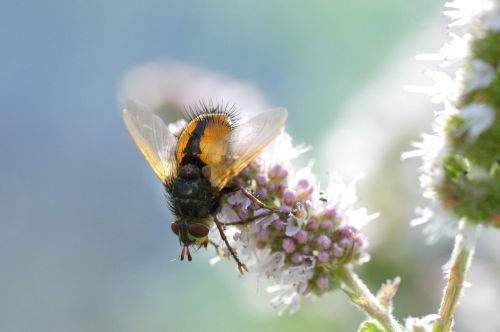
(248,220)
(260,204)
(241,267)
(254,199)
(257,202)
(218,251)
(244,191)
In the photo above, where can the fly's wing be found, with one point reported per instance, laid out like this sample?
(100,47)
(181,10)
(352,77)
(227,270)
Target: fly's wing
(153,139)
(246,142)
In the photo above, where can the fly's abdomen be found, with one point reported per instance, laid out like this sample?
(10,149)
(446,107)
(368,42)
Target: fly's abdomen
(194,208)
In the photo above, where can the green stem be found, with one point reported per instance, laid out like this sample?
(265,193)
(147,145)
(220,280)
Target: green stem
(364,299)
(460,261)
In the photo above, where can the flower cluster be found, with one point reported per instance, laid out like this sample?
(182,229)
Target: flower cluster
(309,236)
(461,171)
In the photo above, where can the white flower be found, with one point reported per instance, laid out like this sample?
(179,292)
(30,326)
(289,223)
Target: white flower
(264,222)
(438,221)
(464,11)
(423,324)
(287,297)
(444,89)
(491,21)
(451,53)
(238,198)
(479,75)
(292,283)
(478,118)
(296,223)
(282,151)
(342,197)
(272,266)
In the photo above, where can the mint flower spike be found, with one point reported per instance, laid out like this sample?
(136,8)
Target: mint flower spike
(461,160)
(460,172)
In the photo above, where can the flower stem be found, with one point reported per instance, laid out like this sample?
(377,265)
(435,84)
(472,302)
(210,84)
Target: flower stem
(460,261)
(360,295)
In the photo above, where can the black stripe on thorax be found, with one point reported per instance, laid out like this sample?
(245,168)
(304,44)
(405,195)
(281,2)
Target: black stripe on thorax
(192,149)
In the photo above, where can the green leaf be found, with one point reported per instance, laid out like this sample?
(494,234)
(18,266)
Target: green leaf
(370,326)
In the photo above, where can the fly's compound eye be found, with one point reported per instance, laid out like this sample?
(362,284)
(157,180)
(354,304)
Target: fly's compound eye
(198,230)
(175,228)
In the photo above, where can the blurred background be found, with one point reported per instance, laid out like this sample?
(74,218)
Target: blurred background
(85,240)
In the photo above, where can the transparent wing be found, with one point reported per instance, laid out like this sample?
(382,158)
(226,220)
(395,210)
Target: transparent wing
(153,139)
(246,142)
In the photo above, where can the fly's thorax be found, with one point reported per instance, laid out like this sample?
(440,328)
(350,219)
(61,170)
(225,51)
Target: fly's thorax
(190,172)
(191,193)
(206,138)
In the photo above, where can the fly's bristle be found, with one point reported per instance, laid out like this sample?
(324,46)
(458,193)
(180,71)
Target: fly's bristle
(209,107)
(168,198)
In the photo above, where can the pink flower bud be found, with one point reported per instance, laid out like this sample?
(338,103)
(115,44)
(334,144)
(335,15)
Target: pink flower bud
(263,234)
(306,249)
(326,224)
(261,191)
(304,188)
(323,257)
(348,232)
(360,241)
(246,171)
(337,251)
(288,245)
(312,224)
(279,224)
(261,180)
(297,258)
(301,236)
(345,243)
(243,214)
(330,213)
(322,282)
(285,209)
(277,171)
(282,185)
(290,196)
(324,242)
(303,185)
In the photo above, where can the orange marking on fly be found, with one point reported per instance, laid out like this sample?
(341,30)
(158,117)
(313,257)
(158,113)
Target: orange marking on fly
(207,136)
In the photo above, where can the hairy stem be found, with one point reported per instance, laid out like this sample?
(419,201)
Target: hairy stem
(460,261)
(364,299)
